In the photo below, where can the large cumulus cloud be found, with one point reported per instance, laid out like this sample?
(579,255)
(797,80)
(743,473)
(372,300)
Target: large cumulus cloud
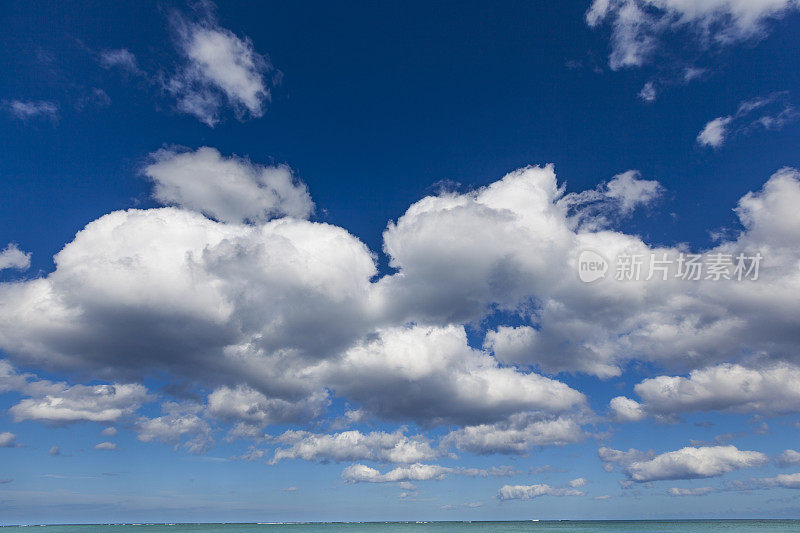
(270,319)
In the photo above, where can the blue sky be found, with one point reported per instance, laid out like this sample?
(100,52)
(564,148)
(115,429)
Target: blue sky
(321,262)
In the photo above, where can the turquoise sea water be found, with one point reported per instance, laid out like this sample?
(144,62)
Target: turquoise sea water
(682,526)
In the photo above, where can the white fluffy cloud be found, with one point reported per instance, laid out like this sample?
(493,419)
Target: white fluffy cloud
(638,27)
(177,422)
(595,327)
(107,446)
(612,457)
(714,132)
(596,209)
(459,254)
(229,307)
(415,472)
(219,68)
(785,481)
(771,389)
(418,472)
(229,189)
(12,257)
(452,381)
(626,410)
(210,301)
(377,446)
(630,190)
(517,435)
(165,288)
(58,404)
(691,463)
(504,247)
(529,492)
(770,112)
(788,458)
(251,407)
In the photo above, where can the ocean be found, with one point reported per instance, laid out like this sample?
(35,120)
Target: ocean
(578,526)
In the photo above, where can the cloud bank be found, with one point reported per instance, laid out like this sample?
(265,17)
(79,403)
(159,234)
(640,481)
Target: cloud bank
(221,290)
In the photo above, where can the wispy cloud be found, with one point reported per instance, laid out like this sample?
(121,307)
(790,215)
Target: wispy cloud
(529,492)
(639,28)
(771,112)
(219,68)
(121,58)
(31,109)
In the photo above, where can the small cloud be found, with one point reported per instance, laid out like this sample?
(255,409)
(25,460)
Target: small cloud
(105,446)
(290,489)
(54,451)
(25,110)
(544,469)
(6,480)
(110,431)
(626,410)
(632,191)
(120,58)
(648,92)
(529,492)
(714,132)
(8,440)
(596,208)
(60,405)
(12,257)
(230,189)
(788,458)
(96,98)
(699,491)
(686,463)
(219,68)
(693,73)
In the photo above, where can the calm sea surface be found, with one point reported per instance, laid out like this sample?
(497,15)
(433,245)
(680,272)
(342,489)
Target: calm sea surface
(699,526)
